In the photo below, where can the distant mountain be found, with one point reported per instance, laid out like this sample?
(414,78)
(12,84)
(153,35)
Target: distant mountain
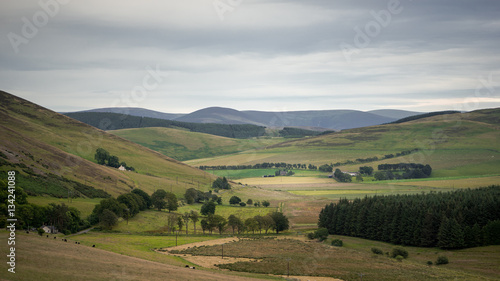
(219,115)
(328,119)
(136,111)
(321,119)
(394,113)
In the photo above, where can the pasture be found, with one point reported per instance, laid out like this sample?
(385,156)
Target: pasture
(54,260)
(84,205)
(299,257)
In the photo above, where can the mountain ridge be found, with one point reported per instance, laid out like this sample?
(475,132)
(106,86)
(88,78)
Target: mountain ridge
(339,119)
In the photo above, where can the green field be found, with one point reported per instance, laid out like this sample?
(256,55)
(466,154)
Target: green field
(297,258)
(184,145)
(252,173)
(84,205)
(139,246)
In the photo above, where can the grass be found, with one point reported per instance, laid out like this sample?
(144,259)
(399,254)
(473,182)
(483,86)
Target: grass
(459,145)
(184,145)
(47,142)
(54,260)
(84,205)
(320,259)
(154,222)
(139,246)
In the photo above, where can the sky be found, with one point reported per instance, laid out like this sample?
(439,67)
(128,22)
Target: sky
(270,55)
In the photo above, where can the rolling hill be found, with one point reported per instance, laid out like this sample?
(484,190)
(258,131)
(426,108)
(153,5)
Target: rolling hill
(54,154)
(184,145)
(326,119)
(136,111)
(461,144)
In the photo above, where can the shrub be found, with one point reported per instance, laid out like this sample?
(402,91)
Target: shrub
(321,234)
(377,251)
(442,260)
(429,263)
(398,251)
(40,231)
(311,235)
(337,243)
(399,258)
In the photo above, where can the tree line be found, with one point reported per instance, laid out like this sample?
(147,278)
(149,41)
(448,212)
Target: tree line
(103,157)
(126,206)
(449,220)
(116,121)
(62,217)
(265,165)
(409,171)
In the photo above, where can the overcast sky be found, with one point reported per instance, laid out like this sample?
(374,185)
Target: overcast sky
(181,56)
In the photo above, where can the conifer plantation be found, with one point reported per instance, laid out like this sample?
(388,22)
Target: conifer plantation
(449,220)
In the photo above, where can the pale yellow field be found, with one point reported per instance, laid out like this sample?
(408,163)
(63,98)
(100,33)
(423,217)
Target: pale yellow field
(455,183)
(285,180)
(329,192)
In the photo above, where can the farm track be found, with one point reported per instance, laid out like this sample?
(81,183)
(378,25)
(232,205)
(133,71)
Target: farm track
(212,261)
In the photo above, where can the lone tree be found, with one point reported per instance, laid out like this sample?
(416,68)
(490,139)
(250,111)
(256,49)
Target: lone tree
(158,199)
(108,219)
(193,215)
(235,200)
(171,201)
(221,183)
(208,208)
(235,223)
(266,203)
(280,221)
(101,156)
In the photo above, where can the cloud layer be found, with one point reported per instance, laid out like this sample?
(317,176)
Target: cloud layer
(180,56)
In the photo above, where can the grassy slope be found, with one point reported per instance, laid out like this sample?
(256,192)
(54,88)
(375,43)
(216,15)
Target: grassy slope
(184,145)
(49,142)
(454,145)
(54,260)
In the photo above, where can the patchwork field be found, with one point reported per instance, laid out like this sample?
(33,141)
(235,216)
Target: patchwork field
(296,257)
(185,145)
(55,260)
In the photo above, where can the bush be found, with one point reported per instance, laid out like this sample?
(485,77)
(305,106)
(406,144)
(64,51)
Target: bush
(321,234)
(398,251)
(40,231)
(399,258)
(337,243)
(311,235)
(442,260)
(377,251)
(429,263)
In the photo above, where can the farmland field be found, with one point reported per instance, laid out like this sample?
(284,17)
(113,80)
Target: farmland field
(320,259)
(84,205)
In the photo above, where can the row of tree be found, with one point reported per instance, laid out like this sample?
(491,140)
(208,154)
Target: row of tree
(114,121)
(126,206)
(341,176)
(103,157)
(450,220)
(63,218)
(375,158)
(276,221)
(265,165)
(403,171)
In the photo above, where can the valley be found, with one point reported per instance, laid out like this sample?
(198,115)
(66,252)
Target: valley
(53,156)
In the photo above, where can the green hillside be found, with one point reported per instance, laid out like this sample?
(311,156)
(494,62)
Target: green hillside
(116,121)
(184,145)
(53,153)
(454,145)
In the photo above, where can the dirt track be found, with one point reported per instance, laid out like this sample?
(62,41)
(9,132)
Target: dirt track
(212,261)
